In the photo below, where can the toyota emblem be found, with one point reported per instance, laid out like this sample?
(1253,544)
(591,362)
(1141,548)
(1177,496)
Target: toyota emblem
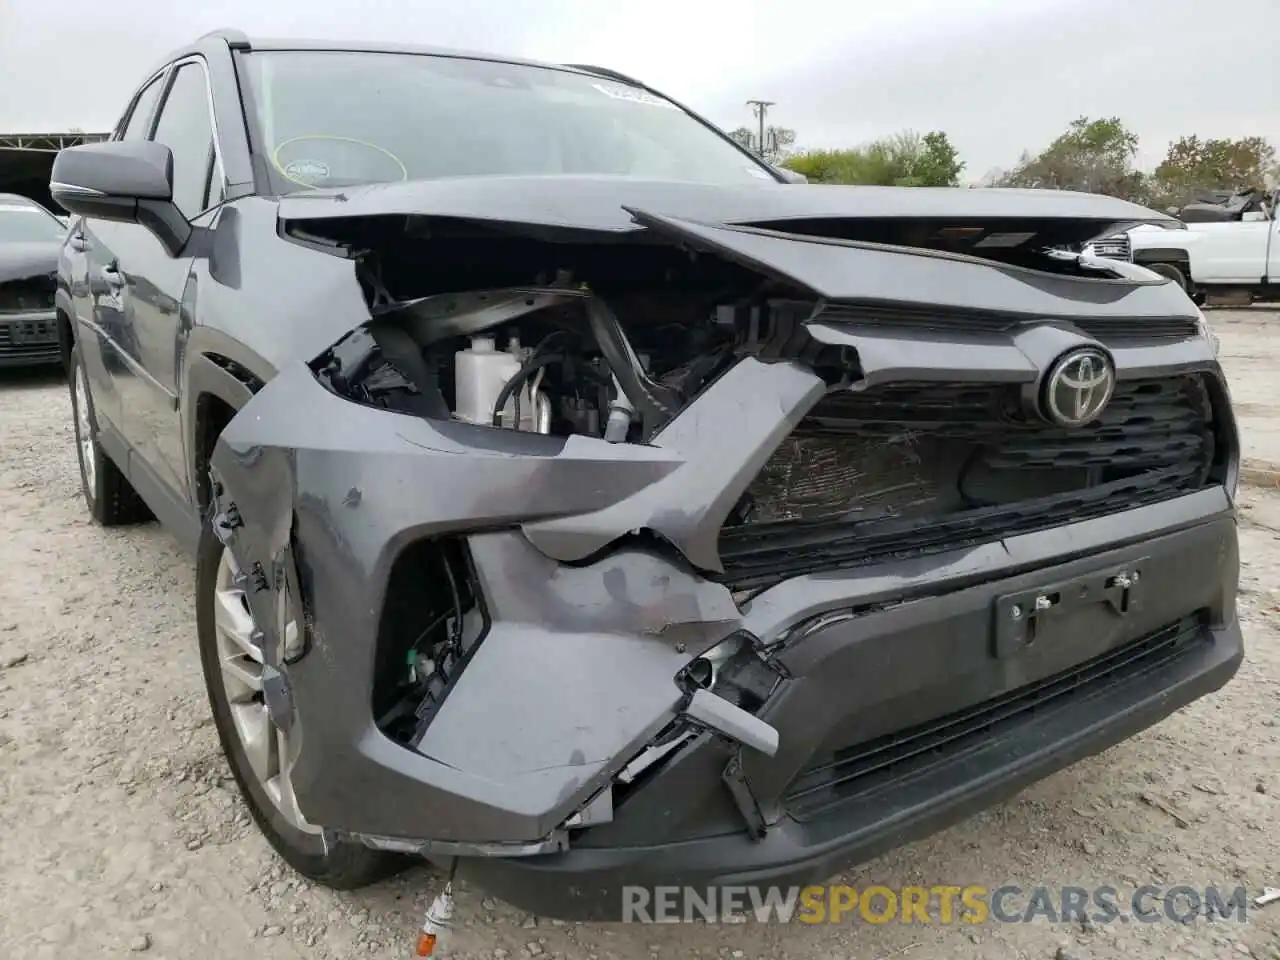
(1078,387)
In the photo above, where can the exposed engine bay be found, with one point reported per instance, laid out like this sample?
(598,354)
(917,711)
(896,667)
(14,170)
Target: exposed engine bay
(546,359)
(607,340)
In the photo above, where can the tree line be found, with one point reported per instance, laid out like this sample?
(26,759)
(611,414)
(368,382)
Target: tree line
(1092,155)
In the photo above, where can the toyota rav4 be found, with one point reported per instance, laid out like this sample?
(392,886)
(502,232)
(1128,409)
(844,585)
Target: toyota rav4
(574,496)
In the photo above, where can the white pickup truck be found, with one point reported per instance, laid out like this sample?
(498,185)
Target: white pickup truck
(1232,261)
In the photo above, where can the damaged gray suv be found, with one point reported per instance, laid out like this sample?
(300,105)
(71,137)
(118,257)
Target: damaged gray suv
(575,497)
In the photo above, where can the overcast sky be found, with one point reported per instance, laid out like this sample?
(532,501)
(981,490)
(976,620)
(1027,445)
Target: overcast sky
(998,75)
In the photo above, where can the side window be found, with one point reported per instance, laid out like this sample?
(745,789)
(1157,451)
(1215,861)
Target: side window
(136,128)
(186,129)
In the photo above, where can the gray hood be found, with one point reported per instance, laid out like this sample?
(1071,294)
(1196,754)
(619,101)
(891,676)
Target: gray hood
(600,204)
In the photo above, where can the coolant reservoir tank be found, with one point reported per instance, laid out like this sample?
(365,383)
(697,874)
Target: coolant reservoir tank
(481,371)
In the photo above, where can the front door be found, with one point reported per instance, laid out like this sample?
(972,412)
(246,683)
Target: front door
(97,300)
(1232,252)
(155,325)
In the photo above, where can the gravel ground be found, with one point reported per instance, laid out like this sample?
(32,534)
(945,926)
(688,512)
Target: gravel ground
(123,833)
(1250,350)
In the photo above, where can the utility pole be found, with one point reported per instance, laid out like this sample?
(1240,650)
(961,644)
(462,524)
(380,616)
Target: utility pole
(760,107)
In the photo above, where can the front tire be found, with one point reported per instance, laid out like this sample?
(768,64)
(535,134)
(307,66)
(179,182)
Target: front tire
(110,497)
(259,753)
(1173,272)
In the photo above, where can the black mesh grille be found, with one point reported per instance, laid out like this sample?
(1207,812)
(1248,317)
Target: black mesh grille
(858,770)
(909,469)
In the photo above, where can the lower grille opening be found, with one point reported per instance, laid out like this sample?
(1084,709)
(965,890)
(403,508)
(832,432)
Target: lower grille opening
(909,469)
(859,770)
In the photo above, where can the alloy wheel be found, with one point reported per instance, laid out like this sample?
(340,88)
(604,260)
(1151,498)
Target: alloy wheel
(84,432)
(267,748)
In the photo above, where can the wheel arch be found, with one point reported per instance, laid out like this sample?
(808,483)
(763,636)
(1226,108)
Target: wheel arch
(66,337)
(1162,255)
(217,388)
(62,303)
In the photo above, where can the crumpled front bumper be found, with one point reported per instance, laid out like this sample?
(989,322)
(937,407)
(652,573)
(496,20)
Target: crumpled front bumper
(700,845)
(588,630)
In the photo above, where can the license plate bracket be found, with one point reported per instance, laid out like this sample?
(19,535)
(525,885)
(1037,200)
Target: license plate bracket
(1021,617)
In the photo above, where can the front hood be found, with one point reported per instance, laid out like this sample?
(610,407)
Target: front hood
(599,204)
(18,261)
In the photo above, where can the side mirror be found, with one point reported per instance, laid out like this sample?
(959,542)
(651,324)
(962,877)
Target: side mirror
(791,176)
(124,181)
(1253,216)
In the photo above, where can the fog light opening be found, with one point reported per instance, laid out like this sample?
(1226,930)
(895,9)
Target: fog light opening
(734,670)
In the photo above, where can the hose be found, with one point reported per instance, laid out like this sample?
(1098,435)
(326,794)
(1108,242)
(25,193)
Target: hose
(527,369)
(654,401)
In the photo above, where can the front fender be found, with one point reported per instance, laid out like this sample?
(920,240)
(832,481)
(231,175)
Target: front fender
(336,492)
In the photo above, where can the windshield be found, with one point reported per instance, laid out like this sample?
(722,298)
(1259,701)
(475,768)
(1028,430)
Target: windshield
(337,118)
(23,223)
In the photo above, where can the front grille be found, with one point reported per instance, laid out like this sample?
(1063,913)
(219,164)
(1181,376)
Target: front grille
(28,341)
(37,332)
(1113,248)
(908,469)
(1108,330)
(856,771)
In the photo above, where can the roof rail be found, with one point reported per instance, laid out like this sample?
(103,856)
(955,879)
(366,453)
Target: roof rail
(604,72)
(235,38)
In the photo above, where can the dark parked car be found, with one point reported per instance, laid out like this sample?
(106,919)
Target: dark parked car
(29,240)
(573,496)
